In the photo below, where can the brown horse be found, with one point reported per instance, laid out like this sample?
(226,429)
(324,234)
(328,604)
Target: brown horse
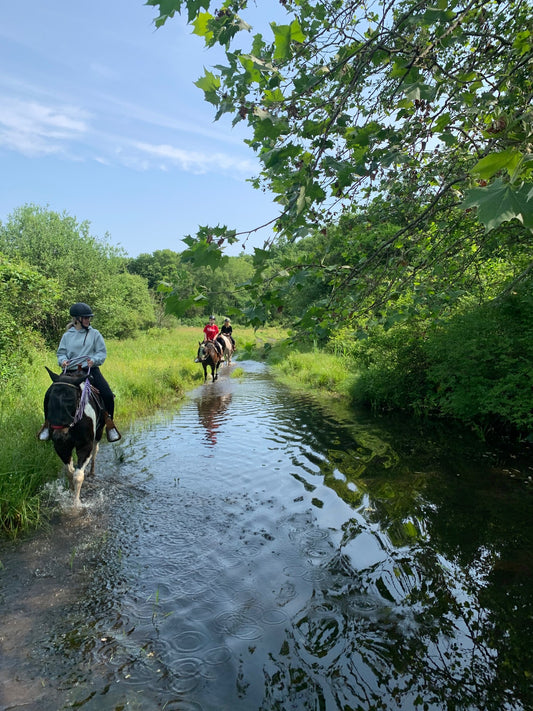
(77,418)
(208,355)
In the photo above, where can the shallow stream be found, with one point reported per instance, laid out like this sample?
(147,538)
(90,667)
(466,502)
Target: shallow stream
(255,552)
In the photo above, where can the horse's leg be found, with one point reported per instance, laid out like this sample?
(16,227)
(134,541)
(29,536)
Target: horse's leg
(64,450)
(93,458)
(85,457)
(205,371)
(70,473)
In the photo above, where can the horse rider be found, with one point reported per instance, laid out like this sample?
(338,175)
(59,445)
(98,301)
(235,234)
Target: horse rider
(227,330)
(211,332)
(82,349)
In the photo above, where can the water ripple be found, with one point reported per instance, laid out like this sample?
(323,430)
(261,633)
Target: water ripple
(217,655)
(190,641)
(238,625)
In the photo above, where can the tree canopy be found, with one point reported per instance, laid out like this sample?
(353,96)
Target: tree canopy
(412,114)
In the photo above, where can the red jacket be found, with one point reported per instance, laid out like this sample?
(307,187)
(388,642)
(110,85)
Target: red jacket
(211,331)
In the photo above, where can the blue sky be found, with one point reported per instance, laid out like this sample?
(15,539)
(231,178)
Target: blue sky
(99,118)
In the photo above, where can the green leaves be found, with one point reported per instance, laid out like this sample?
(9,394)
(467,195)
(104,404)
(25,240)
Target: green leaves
(209,84)
(285,37)
(508,160)
(168,8)
(203,251)
(201,26)
(500,202)
(178,306)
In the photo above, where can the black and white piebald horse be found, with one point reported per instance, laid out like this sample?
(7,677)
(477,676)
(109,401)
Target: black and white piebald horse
(76,415)
(228,347)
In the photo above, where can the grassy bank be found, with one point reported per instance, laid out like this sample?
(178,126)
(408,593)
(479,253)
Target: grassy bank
(311,370)
(149,373)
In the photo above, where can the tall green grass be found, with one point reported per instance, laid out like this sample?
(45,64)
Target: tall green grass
(314,371)
(24,465)
(149,373)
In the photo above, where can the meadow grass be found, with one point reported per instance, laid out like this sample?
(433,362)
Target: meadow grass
(311,370)
(148,374)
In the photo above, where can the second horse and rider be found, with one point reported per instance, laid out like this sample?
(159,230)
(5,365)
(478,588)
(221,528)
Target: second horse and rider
(212,333)
(216,347)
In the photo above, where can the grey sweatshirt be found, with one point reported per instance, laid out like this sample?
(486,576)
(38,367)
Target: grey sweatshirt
(88,343)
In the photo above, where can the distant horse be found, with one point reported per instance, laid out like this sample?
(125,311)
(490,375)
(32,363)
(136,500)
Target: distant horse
(208,355)
(229,349)
(77,417)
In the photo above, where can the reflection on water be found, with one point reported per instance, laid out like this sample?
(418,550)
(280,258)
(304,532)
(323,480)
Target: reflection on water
(212,411)
(307,561)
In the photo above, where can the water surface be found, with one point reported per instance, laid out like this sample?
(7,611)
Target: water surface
(257,552)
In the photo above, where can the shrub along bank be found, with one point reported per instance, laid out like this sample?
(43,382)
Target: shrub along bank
(476,367)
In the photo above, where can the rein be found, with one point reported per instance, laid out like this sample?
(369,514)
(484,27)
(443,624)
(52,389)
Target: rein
(84,399)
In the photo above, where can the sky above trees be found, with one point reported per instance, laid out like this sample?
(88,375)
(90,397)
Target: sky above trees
(99,117)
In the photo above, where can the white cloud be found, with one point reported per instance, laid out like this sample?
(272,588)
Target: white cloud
(34,129)
(195,125)
(197,162)
(36,124)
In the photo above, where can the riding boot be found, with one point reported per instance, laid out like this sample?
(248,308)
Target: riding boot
(113,435)
(44,432)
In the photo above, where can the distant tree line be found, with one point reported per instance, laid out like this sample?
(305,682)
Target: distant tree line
(49,261)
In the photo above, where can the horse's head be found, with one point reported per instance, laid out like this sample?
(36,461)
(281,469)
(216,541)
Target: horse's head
(63,398)
(200,356)
(74,379)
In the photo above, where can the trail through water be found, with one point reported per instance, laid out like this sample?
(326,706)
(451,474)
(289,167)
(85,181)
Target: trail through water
(255,552)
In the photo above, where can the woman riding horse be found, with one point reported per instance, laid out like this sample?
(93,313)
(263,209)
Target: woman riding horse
(82,349)
(211,332)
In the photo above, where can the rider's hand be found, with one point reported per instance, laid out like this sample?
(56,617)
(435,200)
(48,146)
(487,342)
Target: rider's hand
(90,362)
(64,364)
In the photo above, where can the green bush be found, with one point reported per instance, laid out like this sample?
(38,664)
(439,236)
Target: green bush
(481,363)
(476,367)
(391,369)
(26,297)
(76,267)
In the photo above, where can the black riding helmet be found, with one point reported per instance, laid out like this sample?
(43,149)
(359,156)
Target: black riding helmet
(80,310)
